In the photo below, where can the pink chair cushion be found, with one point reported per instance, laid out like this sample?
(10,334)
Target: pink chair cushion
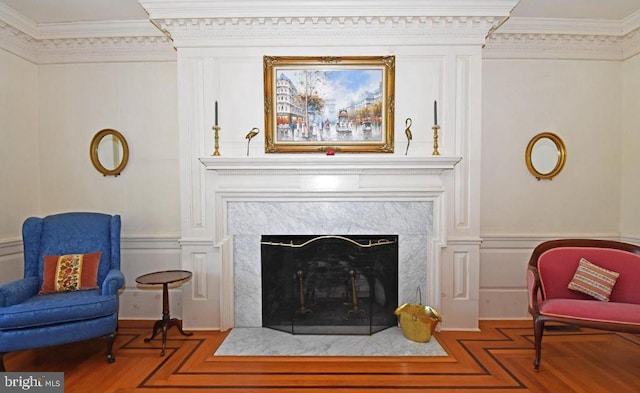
(557,266)
(592,310)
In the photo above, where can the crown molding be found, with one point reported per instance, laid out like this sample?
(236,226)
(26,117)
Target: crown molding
(318,31)
(195,9)
(112,41)
(105,50)
(564,39)
(553,46)
(562,26)
(242,23)
(15,41)
(631,23)
(85,49)
(17,21)
(213,23)
(127,28)
(631,44)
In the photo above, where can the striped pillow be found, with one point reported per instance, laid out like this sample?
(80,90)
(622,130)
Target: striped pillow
(593,280)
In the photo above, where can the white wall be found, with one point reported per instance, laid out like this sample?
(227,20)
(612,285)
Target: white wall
(19,147)
(580,100)
(20,194)
(630,216)
(52,114)
(140,101)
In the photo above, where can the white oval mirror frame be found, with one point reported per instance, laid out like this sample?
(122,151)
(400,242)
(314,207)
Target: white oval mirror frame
(545,155)
(109,152)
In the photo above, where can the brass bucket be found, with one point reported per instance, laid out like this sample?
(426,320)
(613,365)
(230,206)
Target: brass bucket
(418,322)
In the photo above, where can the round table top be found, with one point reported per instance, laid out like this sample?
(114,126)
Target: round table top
(164,277)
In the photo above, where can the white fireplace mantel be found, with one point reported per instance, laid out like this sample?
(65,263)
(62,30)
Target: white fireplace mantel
(338,164)
(344,193)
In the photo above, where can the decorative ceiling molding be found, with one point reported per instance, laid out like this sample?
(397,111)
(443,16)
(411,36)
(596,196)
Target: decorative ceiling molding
(214,23)
(105,49)
(564,39)
(82,42)
(631,44)
(553,46)
(321,30)
(15,41)
(180,9)
(631,23)
(85,49)
(242,23)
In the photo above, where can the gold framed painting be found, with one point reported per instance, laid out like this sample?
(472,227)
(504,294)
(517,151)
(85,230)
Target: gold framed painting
(329,104)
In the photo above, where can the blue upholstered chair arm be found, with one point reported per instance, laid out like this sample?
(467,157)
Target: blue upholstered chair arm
(113,282)
(15,292)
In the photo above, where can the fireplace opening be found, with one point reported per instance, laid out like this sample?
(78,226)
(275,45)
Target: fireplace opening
(329,284)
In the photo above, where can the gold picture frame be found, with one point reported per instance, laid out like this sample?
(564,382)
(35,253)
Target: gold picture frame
(545,156)
(329,104)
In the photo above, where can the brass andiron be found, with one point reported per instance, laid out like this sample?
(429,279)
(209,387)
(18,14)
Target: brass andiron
(304,311)
(407,132)
(254,131)
(355,310)
(435,140)
(216,138)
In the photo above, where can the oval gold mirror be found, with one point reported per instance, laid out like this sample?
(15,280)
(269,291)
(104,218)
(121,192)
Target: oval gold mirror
(545,155)
(109,152)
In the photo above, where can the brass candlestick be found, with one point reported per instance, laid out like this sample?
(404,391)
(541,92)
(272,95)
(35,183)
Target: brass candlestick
(216,138)
(435,140)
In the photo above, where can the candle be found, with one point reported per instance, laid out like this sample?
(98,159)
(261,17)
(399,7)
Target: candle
(216,113)
(435,112)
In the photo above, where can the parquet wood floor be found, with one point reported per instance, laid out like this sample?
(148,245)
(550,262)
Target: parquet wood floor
(496,359)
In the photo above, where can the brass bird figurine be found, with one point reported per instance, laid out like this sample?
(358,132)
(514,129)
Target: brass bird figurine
(254,131)
(407,132)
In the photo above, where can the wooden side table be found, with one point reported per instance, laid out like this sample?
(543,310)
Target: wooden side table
(165,278)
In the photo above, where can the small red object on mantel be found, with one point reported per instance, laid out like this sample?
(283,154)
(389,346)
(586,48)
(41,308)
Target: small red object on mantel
(331,152)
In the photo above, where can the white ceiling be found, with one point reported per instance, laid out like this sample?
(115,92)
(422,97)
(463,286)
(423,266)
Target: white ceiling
(58,11)
(577,9)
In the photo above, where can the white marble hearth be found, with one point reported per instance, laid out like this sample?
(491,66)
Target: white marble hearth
(267,342)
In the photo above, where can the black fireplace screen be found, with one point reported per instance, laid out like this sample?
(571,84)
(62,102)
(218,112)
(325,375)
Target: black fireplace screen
(329,284)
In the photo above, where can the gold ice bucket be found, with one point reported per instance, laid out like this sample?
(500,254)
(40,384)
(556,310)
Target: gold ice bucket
(418,322)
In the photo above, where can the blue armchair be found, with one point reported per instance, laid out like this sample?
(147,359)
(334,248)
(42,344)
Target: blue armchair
(29,319)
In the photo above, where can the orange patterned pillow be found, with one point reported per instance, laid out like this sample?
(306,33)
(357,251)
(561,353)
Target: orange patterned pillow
(71,272)
(593,280)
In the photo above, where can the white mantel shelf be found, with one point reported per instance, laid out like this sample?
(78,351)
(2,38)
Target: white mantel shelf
(333,164)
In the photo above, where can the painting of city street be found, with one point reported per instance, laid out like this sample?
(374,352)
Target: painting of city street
(334,104)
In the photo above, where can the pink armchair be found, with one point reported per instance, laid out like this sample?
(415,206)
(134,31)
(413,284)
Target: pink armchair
(552,267)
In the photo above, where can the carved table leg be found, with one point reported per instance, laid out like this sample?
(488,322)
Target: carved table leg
(166,322)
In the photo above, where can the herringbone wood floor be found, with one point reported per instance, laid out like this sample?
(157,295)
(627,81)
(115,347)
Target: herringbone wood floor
(498,358)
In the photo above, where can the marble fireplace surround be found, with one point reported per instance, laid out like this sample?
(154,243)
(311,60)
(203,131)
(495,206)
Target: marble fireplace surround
(326,195)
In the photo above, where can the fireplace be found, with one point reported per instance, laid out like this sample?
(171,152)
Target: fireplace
(346,194)
(329,284)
